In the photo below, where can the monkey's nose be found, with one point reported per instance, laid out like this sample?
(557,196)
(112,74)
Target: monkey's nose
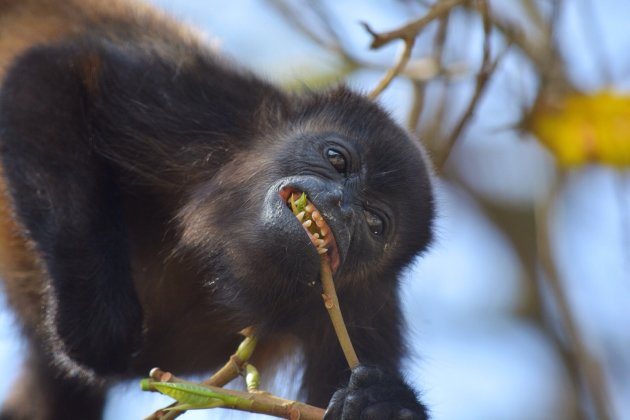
(345,205)
(334,199)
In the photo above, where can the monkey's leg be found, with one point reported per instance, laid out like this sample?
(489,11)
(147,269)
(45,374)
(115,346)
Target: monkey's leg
(69,201)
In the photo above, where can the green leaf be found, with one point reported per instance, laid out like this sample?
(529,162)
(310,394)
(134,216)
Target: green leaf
(301,203)
(191,395)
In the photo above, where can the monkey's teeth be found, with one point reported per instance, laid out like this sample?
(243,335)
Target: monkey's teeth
(314,224)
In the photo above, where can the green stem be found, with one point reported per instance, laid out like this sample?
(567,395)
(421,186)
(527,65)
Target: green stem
(331,302)
(256,402)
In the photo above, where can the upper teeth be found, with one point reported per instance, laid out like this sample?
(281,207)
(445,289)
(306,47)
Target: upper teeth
(316,230)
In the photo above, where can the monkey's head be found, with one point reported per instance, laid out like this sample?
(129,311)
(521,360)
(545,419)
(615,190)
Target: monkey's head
(367,183)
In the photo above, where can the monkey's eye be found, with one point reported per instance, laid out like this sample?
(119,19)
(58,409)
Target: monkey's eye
(337,160)
(374,222)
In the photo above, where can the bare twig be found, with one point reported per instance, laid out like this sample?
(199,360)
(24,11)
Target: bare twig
(532,11)
(483,77)
(412,29)
(433,130)
(332,42)
(296,20)
(535,52)
(440,39)
(407,34)
(440,107)
(394,71)
(590,370)
(417,105)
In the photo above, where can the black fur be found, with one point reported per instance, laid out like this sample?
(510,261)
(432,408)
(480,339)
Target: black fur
(373,394)
(150,189)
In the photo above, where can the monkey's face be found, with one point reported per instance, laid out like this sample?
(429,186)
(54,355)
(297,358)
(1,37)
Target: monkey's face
(368,190)
(369,197)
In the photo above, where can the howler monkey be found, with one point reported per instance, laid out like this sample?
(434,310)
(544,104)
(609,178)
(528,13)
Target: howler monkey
(144,217)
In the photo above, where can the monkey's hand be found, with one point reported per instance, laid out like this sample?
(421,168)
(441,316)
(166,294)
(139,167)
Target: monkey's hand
(375,394)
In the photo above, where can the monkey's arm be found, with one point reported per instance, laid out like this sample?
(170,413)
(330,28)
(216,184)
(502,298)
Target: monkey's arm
(375,389)
(68,201)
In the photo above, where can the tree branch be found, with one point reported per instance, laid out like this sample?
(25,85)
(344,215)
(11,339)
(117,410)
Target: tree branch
(252,402)
(231,370)
(591,372)
(407,34)
(483,77)
(412,29)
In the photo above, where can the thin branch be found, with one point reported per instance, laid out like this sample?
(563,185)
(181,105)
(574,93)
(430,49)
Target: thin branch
(262,402)
(539,53)
(440,39)
(407,34)
(394,71)
(483,77)
(237,362)
(535,53)
(412,29)
(419,86)
(231,370)
(331,42)
(417,106)
(591,372)
(433,131)
(252,402)
(296,20)
(532,11)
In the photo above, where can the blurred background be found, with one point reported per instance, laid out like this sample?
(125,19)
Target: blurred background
(521,309)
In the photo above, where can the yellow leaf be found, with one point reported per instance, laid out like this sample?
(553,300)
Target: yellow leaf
(581,128)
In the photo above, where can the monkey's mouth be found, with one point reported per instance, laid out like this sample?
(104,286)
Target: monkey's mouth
(315,226)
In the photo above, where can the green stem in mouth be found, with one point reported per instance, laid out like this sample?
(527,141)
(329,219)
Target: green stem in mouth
(297,206)
(330,295)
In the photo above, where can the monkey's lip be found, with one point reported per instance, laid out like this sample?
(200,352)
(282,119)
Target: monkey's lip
(318,231)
